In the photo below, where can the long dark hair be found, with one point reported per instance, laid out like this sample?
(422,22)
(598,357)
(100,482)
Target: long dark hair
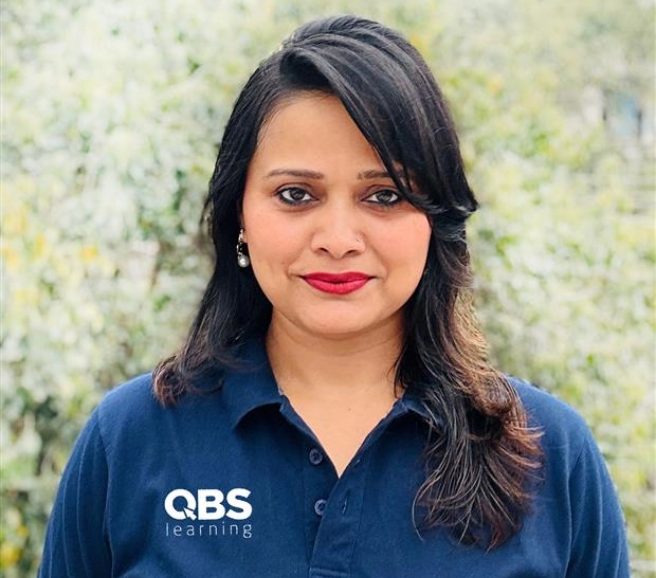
(480,454)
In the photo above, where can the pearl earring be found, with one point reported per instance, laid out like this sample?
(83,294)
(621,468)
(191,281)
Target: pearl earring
(242,259)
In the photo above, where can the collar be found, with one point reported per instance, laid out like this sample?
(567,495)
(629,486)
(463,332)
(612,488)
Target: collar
(254,387)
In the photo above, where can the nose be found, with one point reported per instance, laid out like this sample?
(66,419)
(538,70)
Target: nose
(337,230)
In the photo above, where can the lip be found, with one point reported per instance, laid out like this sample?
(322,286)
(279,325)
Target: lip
(345,277)
(337,283)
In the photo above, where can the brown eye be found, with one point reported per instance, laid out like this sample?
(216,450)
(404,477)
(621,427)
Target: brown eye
(385,198)
(294,196)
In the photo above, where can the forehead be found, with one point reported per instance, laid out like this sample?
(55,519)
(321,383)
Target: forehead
(313,130)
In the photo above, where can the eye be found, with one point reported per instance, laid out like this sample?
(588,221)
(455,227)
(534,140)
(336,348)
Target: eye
(294,196)
(384,198)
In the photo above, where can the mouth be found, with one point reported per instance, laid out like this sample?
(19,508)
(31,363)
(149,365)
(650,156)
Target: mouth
(337,283)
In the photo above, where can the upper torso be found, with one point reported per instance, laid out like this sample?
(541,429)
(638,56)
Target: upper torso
(256,493)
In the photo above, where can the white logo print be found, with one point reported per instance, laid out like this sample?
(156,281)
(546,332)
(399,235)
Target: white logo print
(208,505)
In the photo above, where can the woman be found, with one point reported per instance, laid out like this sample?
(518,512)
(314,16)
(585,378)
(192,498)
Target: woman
(332,413)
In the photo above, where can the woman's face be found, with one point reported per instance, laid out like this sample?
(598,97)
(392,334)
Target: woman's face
(317,201)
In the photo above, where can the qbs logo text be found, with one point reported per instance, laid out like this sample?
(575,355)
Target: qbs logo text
(181,504)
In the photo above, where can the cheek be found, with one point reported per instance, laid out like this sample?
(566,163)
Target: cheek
(408,246)
(272,243)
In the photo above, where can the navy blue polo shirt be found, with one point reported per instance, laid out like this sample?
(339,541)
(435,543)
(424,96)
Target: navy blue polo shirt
(235,484)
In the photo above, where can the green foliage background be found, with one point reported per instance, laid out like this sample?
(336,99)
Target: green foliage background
(111,115)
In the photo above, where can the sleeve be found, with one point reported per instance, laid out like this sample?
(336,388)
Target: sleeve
(77,544)
(599,547)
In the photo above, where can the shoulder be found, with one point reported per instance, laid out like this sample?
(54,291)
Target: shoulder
(544,406)
(564,431)
(138,390)
(578,494)
(129,400)
(130,411)
(132,420)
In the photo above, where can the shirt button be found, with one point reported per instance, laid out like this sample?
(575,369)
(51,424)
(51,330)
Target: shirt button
(319,507)
(316,457)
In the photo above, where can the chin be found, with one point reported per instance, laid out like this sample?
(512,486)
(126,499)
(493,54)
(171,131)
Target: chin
(333,328)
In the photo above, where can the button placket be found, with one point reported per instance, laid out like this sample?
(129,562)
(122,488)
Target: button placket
(339,523)
(319,479)
(337,533)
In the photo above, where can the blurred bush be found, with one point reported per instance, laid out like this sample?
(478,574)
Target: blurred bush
(111,116)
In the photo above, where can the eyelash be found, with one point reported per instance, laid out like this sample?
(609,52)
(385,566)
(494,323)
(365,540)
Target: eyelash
(387,205)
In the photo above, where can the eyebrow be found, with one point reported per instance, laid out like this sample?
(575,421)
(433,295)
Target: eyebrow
(308,174)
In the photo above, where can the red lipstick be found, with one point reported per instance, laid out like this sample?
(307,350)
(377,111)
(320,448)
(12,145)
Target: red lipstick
(338,283)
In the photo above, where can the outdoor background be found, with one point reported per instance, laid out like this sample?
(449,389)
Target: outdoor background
(111,116)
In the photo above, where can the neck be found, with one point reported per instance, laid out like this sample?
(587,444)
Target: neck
(324,369)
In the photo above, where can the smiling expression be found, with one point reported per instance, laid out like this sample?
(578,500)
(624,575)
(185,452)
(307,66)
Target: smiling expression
(332,244)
